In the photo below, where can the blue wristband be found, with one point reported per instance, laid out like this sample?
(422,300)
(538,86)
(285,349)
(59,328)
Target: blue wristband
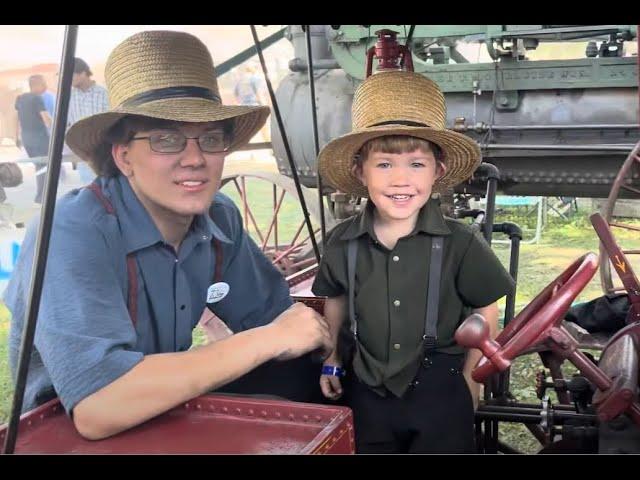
(332,370)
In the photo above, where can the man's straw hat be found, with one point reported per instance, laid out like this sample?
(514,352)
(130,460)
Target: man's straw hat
(166,75)
(398,103)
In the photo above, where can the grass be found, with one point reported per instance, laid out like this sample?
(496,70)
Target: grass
(562,242)
(6,385)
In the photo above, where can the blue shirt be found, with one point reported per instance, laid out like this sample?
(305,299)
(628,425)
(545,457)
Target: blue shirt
(85,338)
(49,100)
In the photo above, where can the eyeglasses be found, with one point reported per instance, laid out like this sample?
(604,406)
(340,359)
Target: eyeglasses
(176,142)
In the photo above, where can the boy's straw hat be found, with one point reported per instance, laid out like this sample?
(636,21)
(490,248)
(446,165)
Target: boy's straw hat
(166,75)
(398,103)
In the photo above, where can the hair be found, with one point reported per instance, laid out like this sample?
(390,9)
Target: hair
(81,66)
(397,144)
(123,131)
(37,78)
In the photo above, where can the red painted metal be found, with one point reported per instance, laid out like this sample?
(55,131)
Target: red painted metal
(533,325)
(389,53)
(207,424)
(317,303)
(622,225)
(620,263)
(274,220)
(616,377)
(248,213)
(625,172)
(293,247)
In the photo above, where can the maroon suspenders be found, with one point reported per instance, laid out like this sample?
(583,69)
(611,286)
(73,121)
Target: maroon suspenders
(132,275)
(132,300)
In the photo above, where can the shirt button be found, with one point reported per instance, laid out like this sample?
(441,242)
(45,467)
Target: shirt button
(396,258)
(396,346)
(396,303)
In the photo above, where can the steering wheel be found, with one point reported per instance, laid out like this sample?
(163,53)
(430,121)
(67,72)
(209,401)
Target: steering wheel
(533,325)
(622,266)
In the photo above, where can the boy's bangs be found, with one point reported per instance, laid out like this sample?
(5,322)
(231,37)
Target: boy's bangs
(398,144)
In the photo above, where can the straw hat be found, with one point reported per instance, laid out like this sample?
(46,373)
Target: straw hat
(398,103)
(166,75)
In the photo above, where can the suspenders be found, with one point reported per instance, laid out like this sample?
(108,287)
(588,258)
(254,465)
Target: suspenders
(132,272)
(431,312)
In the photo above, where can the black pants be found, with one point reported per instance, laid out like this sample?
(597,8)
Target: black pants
(297,380)
(435,415)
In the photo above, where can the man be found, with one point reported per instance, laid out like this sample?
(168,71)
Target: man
(251,90)
(135,257)
(34,123)
(87,98)
(49,100)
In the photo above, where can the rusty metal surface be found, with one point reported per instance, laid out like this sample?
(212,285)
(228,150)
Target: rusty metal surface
(213,424)
(619,362)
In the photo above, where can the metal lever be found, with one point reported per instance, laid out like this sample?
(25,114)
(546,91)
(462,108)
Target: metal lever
(474,333)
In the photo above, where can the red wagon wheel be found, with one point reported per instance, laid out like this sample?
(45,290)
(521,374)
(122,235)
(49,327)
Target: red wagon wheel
(622,187)
(272,215)
(623,268)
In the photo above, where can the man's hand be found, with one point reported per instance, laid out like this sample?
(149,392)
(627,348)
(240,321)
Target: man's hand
(301,329)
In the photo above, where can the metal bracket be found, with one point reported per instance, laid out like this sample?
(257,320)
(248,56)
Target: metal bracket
(508,100)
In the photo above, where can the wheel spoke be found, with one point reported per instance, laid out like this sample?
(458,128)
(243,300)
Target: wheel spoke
(293,247)
(622,225)
(298,232)
(275,227)
(275,240)
(248,214)
(631,189)
(617,290)
(274,221)
(631,252)
(244,203)
(304,263)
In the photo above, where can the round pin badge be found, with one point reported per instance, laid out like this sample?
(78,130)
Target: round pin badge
(217,292)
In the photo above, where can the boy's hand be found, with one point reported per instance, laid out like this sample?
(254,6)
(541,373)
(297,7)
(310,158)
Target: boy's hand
(474,389)
(331,386)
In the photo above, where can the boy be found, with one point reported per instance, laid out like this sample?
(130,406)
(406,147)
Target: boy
(404,275)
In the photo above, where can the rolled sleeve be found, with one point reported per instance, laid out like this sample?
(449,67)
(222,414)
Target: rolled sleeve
(331,278)
(481,278)
(258,292)
(84,334)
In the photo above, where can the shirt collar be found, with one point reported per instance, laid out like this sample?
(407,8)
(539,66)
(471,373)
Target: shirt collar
(138,229)
(430,221)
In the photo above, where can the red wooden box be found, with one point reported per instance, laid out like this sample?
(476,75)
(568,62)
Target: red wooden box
(208,424)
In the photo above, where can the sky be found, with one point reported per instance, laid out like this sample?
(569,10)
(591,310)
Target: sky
(26,45)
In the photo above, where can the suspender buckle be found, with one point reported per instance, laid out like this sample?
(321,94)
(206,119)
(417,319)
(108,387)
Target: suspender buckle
(429,342)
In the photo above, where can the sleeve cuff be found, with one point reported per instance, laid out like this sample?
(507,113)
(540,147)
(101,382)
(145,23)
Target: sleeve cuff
(110,368)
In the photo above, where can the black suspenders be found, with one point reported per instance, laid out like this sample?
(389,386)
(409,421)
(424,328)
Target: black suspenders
(431,312)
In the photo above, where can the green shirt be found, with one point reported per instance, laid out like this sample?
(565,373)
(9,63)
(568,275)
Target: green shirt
(391,290)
